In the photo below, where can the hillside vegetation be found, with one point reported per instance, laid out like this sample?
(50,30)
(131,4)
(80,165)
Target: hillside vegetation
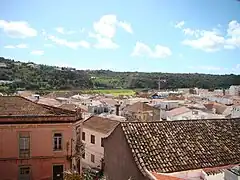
(32,76)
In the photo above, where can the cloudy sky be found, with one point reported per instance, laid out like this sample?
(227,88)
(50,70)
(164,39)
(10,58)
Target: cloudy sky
(123,35)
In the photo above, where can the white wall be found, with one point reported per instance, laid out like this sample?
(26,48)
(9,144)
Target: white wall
(94,149)
(234,90)
(236,112)
(198,174)
(190,116)
(228,175)
(168,105)
(221,100)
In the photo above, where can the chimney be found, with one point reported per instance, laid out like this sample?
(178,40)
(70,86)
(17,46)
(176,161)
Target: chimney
(117,109)
(78,113)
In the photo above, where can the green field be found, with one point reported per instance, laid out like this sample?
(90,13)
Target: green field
(114,92)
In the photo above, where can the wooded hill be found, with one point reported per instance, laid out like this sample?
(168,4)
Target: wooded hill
(16,75)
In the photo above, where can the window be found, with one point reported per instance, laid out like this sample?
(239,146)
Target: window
(92,158)
(83,155)
(24,145)
(92,139)
(83,136)
(24,173)
(102,142)
(57,141)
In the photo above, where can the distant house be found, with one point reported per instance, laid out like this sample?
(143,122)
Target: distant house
(218,108)
(234,90)
(184,113)
(3,65)
(221,99)
(163,150)
(178,114)
(97,107)
(236,111)
(142,112)
(166,104)
(94,130)
(36,140)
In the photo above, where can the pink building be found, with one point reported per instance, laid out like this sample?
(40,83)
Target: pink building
(36,141)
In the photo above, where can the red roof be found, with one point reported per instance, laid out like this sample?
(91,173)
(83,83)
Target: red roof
(178,111)
(20,106)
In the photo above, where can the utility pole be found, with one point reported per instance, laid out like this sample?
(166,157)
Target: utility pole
(159,83)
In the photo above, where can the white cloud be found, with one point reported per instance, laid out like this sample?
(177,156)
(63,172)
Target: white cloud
(17,29)
(179,24)
(70,44)
(20,46)
(61,30)
(103,42)
(105,30)
(144,50)
(214,40)
(37,52)
(106,26)
(126,26)
(192,32)
(9,47)
(227,46)
(234,28)
(209,42)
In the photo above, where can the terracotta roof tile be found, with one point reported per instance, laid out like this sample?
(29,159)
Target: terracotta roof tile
(16,105)
(139,106)
(220,108)
(178,111)
(172,146)
(100,124)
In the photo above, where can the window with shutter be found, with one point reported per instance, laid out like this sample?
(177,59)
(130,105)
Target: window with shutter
(24,145)
(57,142)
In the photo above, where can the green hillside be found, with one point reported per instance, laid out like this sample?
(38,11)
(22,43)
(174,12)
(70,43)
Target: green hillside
(16,75)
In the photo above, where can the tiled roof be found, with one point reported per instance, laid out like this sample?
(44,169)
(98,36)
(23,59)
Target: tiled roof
(71,107)
(109,101)
(172,146)
(100,124)
(178,111)
(19,106)
(138,107)
(220,108)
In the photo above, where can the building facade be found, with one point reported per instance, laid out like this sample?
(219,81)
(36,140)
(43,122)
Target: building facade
(234,90)
(94,130)
(141,111)
(36,141)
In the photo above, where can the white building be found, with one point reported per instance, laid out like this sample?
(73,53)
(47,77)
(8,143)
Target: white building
(234,90)
(184,113)
(94,130)
(236,111)
(165,104)
(221,99)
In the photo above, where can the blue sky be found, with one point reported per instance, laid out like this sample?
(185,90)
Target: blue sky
(138,35)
